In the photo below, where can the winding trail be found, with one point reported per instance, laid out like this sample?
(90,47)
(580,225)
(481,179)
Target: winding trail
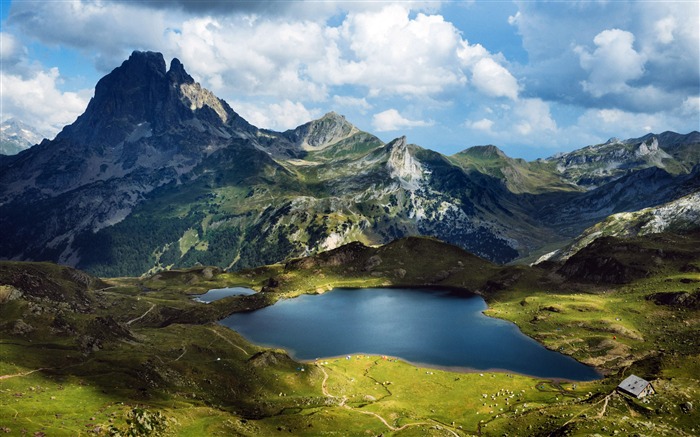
(229,341)
(142,315)
(605,401)
(343,400)
(15,375)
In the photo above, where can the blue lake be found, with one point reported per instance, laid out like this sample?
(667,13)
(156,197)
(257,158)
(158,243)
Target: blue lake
(431,327)
(220,293)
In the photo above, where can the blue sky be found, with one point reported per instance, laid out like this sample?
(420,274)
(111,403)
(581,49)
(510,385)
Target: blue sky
(534,78)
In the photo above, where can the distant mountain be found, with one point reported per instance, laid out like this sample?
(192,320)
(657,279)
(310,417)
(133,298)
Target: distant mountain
(593,166)
(16,136)
(158,173)
(519,175)
(679,216)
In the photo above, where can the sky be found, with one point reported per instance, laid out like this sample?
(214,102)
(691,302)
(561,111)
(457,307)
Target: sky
(534,78)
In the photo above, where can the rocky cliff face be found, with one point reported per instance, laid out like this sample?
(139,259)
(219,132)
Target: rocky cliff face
(144,128)
(318,134)
(158,172)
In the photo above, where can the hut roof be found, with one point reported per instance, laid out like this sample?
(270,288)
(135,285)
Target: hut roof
(633,384)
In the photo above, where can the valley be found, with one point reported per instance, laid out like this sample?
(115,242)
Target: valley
(160,191)
(81,354)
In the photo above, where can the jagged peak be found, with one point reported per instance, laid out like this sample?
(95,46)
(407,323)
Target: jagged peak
(145,60)
(177,72)
(397,143)
(141,92)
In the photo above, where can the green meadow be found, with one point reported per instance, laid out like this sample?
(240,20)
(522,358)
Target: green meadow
(136,356)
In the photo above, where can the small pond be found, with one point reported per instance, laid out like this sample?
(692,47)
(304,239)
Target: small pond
(431,327)
(220,293)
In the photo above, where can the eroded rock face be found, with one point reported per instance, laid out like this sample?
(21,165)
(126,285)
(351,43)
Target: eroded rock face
(153,141)
(321,133)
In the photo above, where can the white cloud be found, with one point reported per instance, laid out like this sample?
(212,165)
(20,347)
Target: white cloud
(534,117)
(276,116)
(513,19)
(379,49)
(390,53)
(257,58)
(634,56)
(392,120)
(10,49)
(37,100)
(622,122)
(352,102)
(691,107)
(483,125)
(494,80)
(613,63)
(664,29)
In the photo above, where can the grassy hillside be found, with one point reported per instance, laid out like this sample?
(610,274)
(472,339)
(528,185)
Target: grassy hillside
(91,354)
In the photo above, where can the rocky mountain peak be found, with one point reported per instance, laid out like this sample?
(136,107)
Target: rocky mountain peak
(177,73)
(321,133)
(16,136)
(141,92)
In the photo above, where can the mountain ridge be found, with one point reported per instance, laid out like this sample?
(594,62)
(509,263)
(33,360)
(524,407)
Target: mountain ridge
(160,173)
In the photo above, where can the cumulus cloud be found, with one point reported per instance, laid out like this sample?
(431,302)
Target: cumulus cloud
(664,29)
(534,116)
(635,56)
(380,49)
(390,53)
(483,125)
(276,116)
(392,120)
(612,64)
(494,80)
(258,58)
(38,101)
(277,62)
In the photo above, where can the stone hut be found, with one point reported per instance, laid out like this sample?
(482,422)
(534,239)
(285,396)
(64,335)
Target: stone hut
(635,386)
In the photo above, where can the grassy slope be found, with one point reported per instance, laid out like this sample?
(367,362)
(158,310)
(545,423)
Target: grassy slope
(204,378)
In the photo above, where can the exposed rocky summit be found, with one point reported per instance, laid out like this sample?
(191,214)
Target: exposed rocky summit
(319,134)
(16,136)
(159,173)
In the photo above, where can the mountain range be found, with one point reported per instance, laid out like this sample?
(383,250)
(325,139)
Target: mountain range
(158,173)
(16,136)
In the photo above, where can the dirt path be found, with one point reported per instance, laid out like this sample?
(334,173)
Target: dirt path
(605,405)
(142,315)
(605,401)
(230,342)
(343,400)
(15,375)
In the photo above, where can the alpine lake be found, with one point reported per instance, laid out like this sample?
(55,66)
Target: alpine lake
(435,328)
